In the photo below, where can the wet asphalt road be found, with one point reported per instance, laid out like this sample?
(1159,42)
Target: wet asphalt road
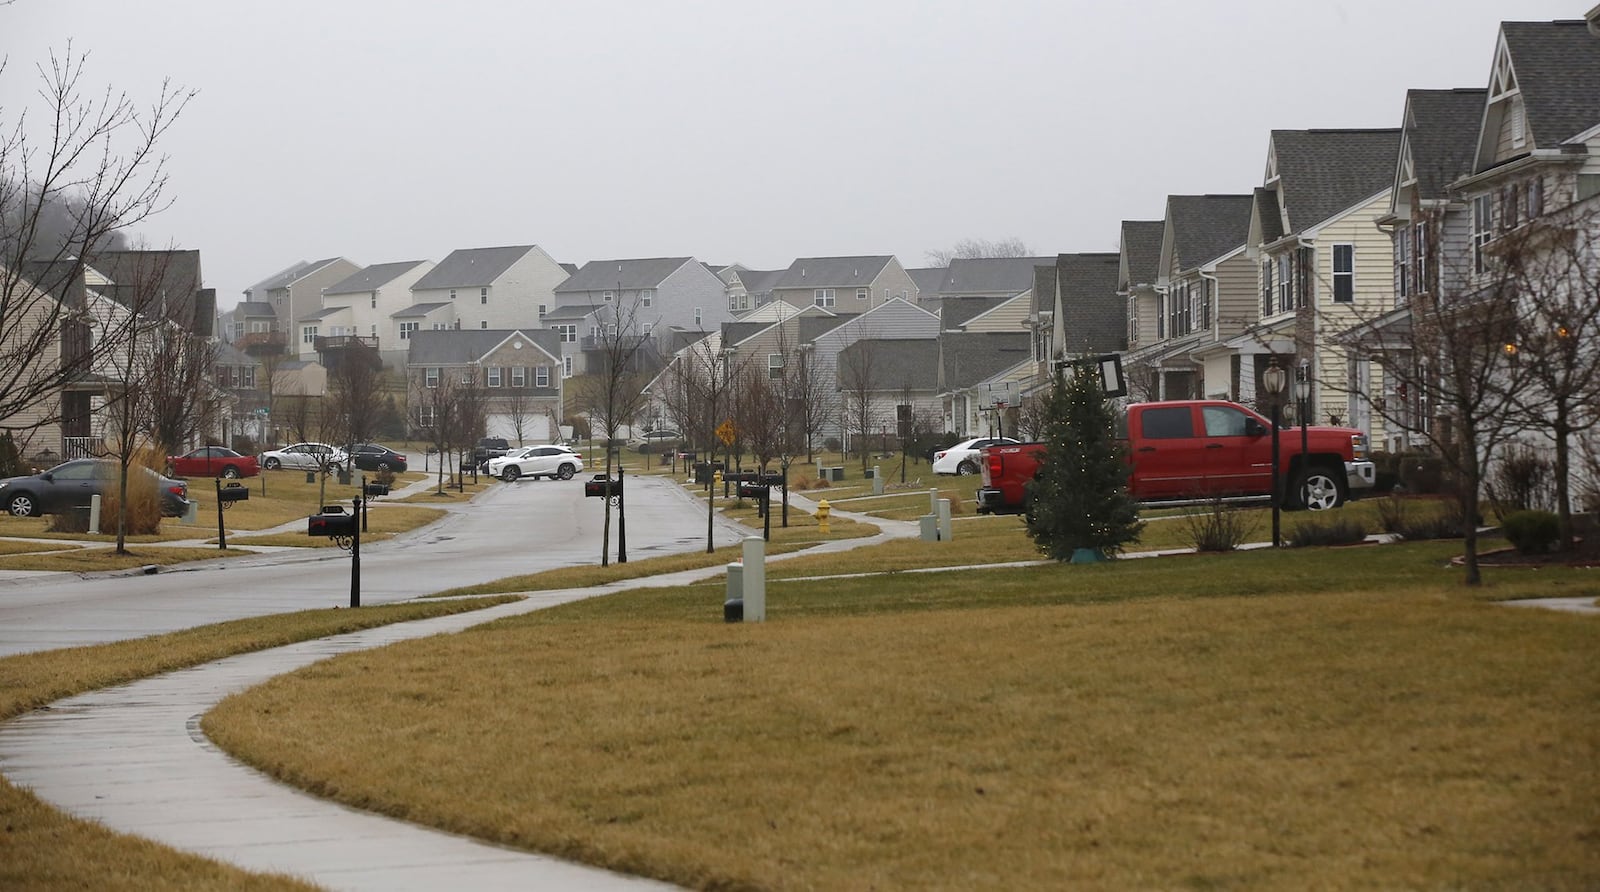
(508,530)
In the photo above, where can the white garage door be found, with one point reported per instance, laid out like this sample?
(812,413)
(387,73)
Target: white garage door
(535,429)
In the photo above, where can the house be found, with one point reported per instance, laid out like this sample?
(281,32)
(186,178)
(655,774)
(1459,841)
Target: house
(488,288)
(877,376)
(1088,317)
(928,280)
(366,303)
(641,297)
(253,327)
(296,292)
(574,326)
(518,371)
(239,376)
(981,378)
(1206,295)
(748,288)
(1137,273)
(846,284)
(1322,263)
(895,319)
(159,284)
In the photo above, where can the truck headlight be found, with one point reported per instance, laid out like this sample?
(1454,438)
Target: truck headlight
(1358,446)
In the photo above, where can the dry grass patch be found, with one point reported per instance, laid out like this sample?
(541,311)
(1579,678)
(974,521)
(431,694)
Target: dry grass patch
(15,547)
(44,849)
(98,560)
(450,495)
(583,577)
(1132,725)
(382,523)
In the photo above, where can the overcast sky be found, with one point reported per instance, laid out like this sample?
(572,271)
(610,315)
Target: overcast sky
(731,131)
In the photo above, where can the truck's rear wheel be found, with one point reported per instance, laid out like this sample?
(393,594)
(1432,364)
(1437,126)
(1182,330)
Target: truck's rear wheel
(1317,489)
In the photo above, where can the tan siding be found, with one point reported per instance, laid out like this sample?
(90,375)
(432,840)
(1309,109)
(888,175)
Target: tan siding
(1006,317)
(1238,295)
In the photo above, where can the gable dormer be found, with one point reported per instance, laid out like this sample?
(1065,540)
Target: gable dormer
(1505,117)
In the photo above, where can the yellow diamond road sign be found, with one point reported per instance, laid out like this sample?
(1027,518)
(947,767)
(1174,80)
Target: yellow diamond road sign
(725,432)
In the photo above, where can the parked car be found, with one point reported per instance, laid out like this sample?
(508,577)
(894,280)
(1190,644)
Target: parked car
(71,484)
(305,457)
(212,461)
(652,441)
(376,457)
(487,448)
(536,462)
(962,458)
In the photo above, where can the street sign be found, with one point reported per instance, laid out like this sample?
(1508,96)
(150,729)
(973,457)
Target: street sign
(725,432)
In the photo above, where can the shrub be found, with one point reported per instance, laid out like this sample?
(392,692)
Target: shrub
(1421,472)
(1219,526)
(1414,520)
(244,445)
(1522,480)
(384,476)
(831,444)
(1532,532)
(1330,531)
(10,457)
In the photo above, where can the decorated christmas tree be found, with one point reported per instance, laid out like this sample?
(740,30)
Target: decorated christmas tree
(1078,507)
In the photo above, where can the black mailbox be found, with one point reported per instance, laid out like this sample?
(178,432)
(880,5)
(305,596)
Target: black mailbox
(377,489)
(333,521)
(233,492)
(600,487)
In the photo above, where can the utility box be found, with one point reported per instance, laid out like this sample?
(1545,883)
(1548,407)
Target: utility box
(733,606)
(930,527)
(877,483)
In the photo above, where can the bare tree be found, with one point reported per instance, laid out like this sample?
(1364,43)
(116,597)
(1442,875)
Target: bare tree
(355,385)
(433,409)
(96,172)
(978,248)
(520,410)
(614,395)
(858,386)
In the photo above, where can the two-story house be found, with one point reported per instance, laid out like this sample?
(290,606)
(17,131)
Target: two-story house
(845,284)
(1206,295)
(518,371)
(485,288)
(363,305)
(296,293)
(1137,272)
(643,298)
(748,288)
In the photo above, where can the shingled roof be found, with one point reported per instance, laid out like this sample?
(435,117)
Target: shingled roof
(292,274)
(1093,315)
(460,346)
(1326,172)
(1205,227)
(1441,133)
(1141,251)
(928,279)
(955,312)
(891,364)
(471,267)
(1558,71)
(990,275)
(973,357)
(373,277)
(1044,288)
(622,275)
(833,272)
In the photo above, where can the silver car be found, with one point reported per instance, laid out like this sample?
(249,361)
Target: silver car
(555,462)
(305,457)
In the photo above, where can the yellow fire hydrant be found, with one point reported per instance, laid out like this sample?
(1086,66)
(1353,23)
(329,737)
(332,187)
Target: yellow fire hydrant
(716,481)
(822,516)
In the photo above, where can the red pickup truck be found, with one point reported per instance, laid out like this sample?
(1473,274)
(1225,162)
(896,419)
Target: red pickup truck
(1196,450)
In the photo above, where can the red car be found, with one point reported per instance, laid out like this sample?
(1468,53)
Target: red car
(213,461)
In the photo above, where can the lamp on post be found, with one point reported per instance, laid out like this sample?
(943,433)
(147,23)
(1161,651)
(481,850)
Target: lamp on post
(1302,393)
(1273,380)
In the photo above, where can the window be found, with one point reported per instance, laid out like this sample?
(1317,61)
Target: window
(605,296)
(1161,314)
(696,317)
(430,377)
(864,293)
(483,323)
(374,300)
(519,376)
(441,326)
(1171,423)
(1344,273)
(1588,186)
(1205,304)
(452,294)
(1482,231)
(425,416)
(822,297)
(247,377)
(1266,288)
(373,329)
(494,376)
(1519,122)
(1510,207)
(308,334)
(1535,198)
(541,376)
(1419,250)
(543,309)
(466,377)
(774,366)
(1285,283)
(1402,262)
(566,366)
(406,328)
(483,295)
(569,333)
(1222,421)
(647,296)
(733,302)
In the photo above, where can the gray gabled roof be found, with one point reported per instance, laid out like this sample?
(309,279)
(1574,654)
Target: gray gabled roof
(323,313)
(1044,288)
(1141,250)
(759,281)
(460,346)
(568,313)
(622,275)
(990,275)
(418,310)
(955,312)
(1093,315)
(813,327)
(149,280)
(1441,130)
(891,364)
(928,279)
(373,277)
(1558,71)
(253,308)
(293,274)
(1327,172)
(735,333)
(973,357)
(833,272)
(1205,227)
(227,354)
(471,267)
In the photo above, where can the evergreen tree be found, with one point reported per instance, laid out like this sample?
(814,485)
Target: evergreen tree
(1079,500)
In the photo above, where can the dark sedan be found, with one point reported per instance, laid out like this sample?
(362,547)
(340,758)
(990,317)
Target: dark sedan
(375,457)
(71,484)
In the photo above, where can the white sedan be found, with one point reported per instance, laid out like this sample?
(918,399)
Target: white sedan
(305,457)
(537,461)
(963,457)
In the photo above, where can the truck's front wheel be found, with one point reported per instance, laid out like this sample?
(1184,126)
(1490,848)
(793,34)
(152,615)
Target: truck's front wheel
(1318,489)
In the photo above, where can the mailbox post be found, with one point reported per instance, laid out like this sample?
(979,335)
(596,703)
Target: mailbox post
(370,491)
(335,524)
(604,487)
(235,492)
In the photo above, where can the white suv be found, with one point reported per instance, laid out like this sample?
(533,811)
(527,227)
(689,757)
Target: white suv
(963,457)
(537,461)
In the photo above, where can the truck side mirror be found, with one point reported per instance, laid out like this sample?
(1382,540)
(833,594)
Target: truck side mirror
(1254,428)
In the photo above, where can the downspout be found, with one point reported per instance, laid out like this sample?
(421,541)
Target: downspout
(1215,291)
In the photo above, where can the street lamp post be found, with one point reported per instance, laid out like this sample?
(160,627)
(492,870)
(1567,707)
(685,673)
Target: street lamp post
(1273,380)
(1302,392)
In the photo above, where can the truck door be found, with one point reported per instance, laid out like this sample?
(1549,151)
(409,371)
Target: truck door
(1238,454)
(1168,458)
